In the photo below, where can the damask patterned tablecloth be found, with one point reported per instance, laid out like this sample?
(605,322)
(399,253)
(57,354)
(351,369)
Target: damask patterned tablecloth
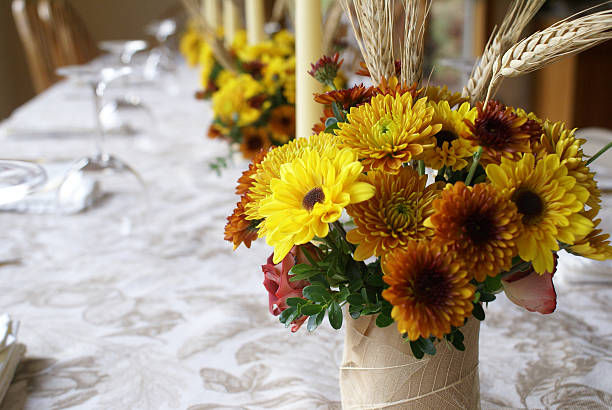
(171,317)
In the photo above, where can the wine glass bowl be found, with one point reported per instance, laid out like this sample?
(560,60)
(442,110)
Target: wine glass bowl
(18,179)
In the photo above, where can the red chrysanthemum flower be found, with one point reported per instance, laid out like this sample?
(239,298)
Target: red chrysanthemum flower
(500,132)
(350,97)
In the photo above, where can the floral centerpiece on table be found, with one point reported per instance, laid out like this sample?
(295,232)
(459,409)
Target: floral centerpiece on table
(356,221)
(254,107)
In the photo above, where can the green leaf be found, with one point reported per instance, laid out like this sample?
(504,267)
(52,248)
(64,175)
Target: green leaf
(330,121)
(478,312)
(476,297)
(334,314)
(310,258)
(493,283)
(355,299)
(302,271)
(331,128)
(487,297)
(337,112)
(427,346)
(343,294)
(310,310)
(296,301)
(383,320)
(316,293)
(416,349)
(288,315)
(312,323)
(370,309)
(456,338)
(355,311)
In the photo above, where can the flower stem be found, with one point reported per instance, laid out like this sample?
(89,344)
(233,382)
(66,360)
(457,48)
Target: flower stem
(475,162)
(599,153)
(421,167)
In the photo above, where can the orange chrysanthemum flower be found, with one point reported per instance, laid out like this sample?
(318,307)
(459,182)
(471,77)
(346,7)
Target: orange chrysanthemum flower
(389,131)
(282,121)
(214,131)
(394,215)
(480,223)
(393,87)
(246,179)
(238,229)
(254,140)
(320,127)
(500,132)
(429,290)
(350,97)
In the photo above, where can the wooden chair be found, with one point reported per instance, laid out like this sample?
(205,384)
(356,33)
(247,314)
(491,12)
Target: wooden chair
(69,38)
(29,27)
(53,35)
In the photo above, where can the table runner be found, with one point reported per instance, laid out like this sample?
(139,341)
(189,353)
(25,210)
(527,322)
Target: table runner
(171,317)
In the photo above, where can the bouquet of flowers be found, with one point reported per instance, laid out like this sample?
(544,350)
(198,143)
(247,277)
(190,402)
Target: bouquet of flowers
(419,205)
(255,106)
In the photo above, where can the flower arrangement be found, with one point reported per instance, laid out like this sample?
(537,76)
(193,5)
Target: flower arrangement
(417,204)
(255,107)
(253,102)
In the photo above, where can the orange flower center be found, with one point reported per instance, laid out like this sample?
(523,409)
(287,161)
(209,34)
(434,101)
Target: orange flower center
(315,195)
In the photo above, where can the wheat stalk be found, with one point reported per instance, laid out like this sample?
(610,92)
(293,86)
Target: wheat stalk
(564,38)
(412,48)
(221,54)
(374,36)
(519,14)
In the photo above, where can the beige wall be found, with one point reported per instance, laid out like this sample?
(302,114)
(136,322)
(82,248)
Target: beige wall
(106,19)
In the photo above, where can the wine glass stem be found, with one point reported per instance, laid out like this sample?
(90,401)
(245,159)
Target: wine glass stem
(98,139)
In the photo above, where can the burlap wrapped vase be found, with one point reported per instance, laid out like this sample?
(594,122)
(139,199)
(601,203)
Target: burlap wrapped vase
(379,371)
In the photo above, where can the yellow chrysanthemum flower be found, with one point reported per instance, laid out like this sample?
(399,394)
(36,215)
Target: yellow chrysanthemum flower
(596,245)
(277,71)
(437,94)
(207,62)
(224,77)
(311,193)
(231,103)
(190,45)
(240,40)
(286,40)
(269,168)
(452,149)
(389,131)
(557,139)
(395,215)
(549,202)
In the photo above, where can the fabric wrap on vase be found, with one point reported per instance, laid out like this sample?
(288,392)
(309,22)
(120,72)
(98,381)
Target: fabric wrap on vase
(379,371)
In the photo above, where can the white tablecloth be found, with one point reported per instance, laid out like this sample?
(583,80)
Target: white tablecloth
(171,317)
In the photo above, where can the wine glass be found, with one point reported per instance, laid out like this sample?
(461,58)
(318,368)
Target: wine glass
(123,49)
(18,179)
(100,163)
(161,59)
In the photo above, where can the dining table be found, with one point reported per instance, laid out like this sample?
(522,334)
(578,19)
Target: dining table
(166,315)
